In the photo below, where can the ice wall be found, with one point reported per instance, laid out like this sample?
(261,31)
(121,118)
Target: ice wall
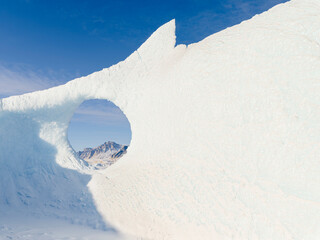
(225,135)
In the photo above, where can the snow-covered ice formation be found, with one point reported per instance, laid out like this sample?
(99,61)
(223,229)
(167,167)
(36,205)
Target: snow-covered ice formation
(241,108)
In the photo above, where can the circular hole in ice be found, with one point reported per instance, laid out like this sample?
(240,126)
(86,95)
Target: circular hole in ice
(99,132)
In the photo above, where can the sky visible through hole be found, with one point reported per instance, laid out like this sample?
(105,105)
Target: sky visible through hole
(96,122)
(48,43)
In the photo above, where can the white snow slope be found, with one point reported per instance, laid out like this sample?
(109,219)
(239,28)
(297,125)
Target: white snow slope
(241,108)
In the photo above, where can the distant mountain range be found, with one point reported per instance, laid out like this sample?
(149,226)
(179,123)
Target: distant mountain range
(104,155)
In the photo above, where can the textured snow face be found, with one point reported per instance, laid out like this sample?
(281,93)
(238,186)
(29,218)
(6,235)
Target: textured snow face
(225,134)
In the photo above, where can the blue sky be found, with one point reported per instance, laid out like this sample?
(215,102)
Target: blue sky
(47,43)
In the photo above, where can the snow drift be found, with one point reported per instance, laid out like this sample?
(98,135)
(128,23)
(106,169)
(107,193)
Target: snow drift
(225,136)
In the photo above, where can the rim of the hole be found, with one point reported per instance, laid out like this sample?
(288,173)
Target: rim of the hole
(102,143)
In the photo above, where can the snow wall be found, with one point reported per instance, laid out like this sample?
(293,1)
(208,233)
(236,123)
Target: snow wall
(225,137)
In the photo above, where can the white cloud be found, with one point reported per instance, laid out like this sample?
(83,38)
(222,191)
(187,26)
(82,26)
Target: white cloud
(100,112)
(110,114)
(19,79)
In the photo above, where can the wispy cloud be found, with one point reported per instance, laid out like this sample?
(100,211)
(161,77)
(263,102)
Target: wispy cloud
(99,112)
(248,8)
(218,16)
(15,80)
(19,79)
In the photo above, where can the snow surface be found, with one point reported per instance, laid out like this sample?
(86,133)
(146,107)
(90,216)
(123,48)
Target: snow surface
(225,137)
(31,228)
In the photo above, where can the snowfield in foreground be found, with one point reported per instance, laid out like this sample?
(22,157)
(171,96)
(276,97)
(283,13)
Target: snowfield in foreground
(51,229)
(225,137)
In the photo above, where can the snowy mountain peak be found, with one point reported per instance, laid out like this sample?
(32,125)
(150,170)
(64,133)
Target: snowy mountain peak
(103,155)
